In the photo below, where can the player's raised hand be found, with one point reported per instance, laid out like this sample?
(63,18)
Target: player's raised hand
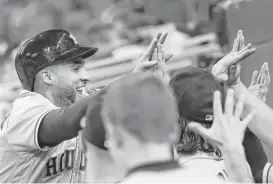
(167,56)
(144,62)
(260,82)
(227,129)
(229,67)
(160,69)
(234,70)
(147,61)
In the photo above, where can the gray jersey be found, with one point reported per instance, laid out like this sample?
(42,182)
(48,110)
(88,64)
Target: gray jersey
(23,160)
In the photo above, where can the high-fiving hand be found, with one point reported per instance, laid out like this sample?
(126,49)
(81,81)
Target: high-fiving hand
(227,129)
(260,82)
(229,67)
(154,57)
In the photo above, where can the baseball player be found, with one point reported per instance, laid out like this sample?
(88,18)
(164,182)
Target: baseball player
(194,89)
(38,139)
(227,134)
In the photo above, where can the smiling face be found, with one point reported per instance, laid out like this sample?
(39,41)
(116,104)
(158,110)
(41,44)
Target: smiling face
(72,78)
(65,80)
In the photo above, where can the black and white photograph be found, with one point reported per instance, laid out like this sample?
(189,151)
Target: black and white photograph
(136,91)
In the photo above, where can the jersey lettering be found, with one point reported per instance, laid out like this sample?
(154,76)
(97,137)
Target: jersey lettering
(65,161)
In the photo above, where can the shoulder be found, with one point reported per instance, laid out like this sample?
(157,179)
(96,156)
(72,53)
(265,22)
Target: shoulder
(208,165)
(28,107)
(29,99)
(31,103)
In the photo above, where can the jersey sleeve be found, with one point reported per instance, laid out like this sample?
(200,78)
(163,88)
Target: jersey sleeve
(22,125)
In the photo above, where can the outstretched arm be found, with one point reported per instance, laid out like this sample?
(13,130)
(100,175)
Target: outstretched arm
(262,124)
(64,123)
(255,156)
(253,146)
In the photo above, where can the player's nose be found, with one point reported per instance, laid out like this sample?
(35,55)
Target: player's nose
(84,76)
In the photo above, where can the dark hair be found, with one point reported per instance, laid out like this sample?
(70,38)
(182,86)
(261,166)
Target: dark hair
(191,142)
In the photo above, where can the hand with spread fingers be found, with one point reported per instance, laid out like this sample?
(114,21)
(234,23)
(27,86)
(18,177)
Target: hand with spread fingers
(227,129)
(227,134)
(147,61)
(229,67)
(260,82)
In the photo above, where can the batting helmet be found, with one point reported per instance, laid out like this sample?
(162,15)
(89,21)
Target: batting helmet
(47,48)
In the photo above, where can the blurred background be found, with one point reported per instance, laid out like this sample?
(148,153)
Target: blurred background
(200,33)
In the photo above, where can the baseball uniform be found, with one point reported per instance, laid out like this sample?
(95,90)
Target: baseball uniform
(23,160)
(210,165)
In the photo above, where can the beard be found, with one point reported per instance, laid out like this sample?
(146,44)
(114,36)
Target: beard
(65,94)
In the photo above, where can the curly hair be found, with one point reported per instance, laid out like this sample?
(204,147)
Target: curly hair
(191,142)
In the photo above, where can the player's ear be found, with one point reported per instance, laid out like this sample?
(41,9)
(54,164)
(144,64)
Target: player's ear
(47,77)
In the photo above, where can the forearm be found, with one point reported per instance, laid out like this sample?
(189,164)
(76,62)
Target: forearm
(236,164)
(262,124)
(255,155)
(62,124)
